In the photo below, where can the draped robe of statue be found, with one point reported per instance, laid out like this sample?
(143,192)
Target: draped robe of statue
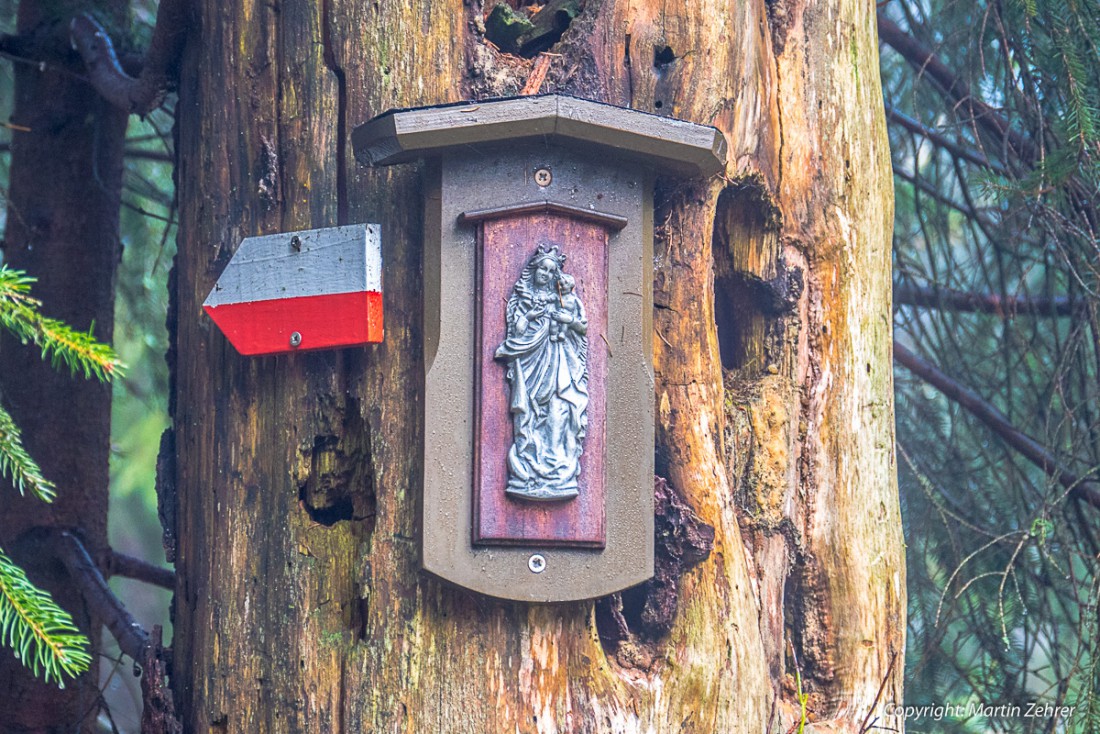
(546,352)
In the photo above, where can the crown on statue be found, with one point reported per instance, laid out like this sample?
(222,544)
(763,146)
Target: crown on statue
(546,250)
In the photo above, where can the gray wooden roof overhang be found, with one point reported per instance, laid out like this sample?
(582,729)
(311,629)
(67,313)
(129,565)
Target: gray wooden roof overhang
(666,144)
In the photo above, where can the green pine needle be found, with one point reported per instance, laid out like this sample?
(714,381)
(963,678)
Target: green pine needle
(60,343)
(41,634)
(17,465)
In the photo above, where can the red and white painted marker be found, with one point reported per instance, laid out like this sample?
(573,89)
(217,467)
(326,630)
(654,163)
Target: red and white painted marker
(317,289)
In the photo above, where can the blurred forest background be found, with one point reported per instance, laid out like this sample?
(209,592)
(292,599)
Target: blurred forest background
(139,412)
(993,109)
(994,115)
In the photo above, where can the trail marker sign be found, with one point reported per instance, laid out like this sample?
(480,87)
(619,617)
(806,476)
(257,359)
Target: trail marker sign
(298,291)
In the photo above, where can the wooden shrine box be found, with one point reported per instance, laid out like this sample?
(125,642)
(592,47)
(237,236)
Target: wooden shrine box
(538,338)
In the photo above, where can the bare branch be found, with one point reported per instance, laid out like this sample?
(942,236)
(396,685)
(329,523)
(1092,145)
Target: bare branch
(160,156)
(158,70)
(1003,306)
(997,422)
(158,708)
(132,639)
(931,191)
(941,140)
(20,47)
(46,47)
(120,564)
(925,61)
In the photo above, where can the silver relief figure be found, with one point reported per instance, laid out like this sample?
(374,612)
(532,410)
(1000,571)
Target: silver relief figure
(546,352)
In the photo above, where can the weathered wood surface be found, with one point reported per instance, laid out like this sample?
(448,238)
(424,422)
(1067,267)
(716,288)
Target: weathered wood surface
(507,245)
(316,262)
(301,607)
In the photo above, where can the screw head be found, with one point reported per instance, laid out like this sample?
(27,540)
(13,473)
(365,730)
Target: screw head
(295,339)
(296,243)
(537,563)
(543,177)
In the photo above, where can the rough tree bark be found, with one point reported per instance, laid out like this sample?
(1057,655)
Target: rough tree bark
(62,227)
(300,607)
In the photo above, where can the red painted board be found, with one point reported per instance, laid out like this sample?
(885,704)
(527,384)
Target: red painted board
(506,245)
(324,322)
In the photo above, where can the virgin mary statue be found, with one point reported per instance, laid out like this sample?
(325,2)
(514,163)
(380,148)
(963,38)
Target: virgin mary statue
(546,351)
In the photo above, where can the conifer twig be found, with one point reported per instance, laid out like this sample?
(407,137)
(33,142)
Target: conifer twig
(1004,306)
(925,61)
(42,634)
(17,466)
(60,343)
(996,421)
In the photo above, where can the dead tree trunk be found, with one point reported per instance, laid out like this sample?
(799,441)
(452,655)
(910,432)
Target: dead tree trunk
(300,607)
(62,227)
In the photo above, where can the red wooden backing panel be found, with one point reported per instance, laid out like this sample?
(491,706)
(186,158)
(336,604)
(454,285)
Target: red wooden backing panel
(506,245)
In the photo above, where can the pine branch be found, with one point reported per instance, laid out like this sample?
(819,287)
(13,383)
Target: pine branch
(17,465)
(934,193)
(41,634)
(997,422)
(60,343)
(940,140)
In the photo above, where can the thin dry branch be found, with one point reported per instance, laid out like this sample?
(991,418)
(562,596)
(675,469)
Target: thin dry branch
(939,139)
(1003,306)
(143,94)
(158,707)
(120,564)
(924,60)
(932,192)
(997,422)
(132,639)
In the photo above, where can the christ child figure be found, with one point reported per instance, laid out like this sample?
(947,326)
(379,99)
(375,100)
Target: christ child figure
(571,312)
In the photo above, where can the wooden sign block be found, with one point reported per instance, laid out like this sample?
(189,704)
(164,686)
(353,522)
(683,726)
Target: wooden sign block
(298,291)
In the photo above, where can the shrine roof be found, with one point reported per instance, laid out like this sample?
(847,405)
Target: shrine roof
(664,143)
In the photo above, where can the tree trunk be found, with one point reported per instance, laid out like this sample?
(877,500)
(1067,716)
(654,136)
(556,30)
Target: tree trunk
(300,605)
(62,227)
